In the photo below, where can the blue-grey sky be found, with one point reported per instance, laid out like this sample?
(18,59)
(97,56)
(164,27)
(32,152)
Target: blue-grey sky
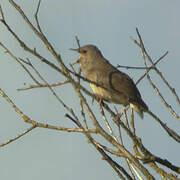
(46,154)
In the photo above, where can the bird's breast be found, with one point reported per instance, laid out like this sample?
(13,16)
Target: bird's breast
(109,95)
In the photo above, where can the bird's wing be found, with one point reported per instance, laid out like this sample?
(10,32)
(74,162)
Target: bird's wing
(121,82)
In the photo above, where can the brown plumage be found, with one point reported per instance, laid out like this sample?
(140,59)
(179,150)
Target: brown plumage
(119,87)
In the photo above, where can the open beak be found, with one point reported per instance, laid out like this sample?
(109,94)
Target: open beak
(76,50)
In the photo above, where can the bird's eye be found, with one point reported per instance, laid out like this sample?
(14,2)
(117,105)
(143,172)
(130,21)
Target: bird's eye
(84,51)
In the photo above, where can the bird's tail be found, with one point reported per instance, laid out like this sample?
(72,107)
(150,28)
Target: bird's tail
(138,110)
(139,107)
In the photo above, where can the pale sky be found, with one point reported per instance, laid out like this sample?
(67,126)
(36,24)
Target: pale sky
(47,154)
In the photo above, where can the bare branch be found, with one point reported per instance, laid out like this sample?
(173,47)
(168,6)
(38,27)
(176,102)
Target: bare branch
(101,131)
(19,61)
(156,69)
(135,166)
(107,123)
(37,124)
(41,36)
(114,164)
(78,41)
(133,67)
(18,136)
(83,115)
(172,133)
(1,11)
(36,17)
(44,85)
(156,62)
(163,99)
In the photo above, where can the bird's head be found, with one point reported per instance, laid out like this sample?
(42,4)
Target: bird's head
(88,53)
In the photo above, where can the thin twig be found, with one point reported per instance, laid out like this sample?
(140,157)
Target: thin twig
(107,123)
(129,164)
(114,164)
(151,162)
(32,51)
(19,61)
(83,115)
(162,98)
(51,89)
(132,121)
(110,139)
(172,133)
(37,124)
(135,171)
(156,62)
(157,70)
(74,120)
(117,153)
(134,137)
(36,17)
(65,72)
(2,14)
(18,136)
(78,42)
(42,37)
(133,67)
(44,85)
(125,117)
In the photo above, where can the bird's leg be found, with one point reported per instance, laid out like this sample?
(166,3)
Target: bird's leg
(100,101)
(118,116)
(121,111)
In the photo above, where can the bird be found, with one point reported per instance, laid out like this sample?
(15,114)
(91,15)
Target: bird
(107,82)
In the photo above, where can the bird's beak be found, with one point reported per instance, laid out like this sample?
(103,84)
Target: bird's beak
(76,50)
